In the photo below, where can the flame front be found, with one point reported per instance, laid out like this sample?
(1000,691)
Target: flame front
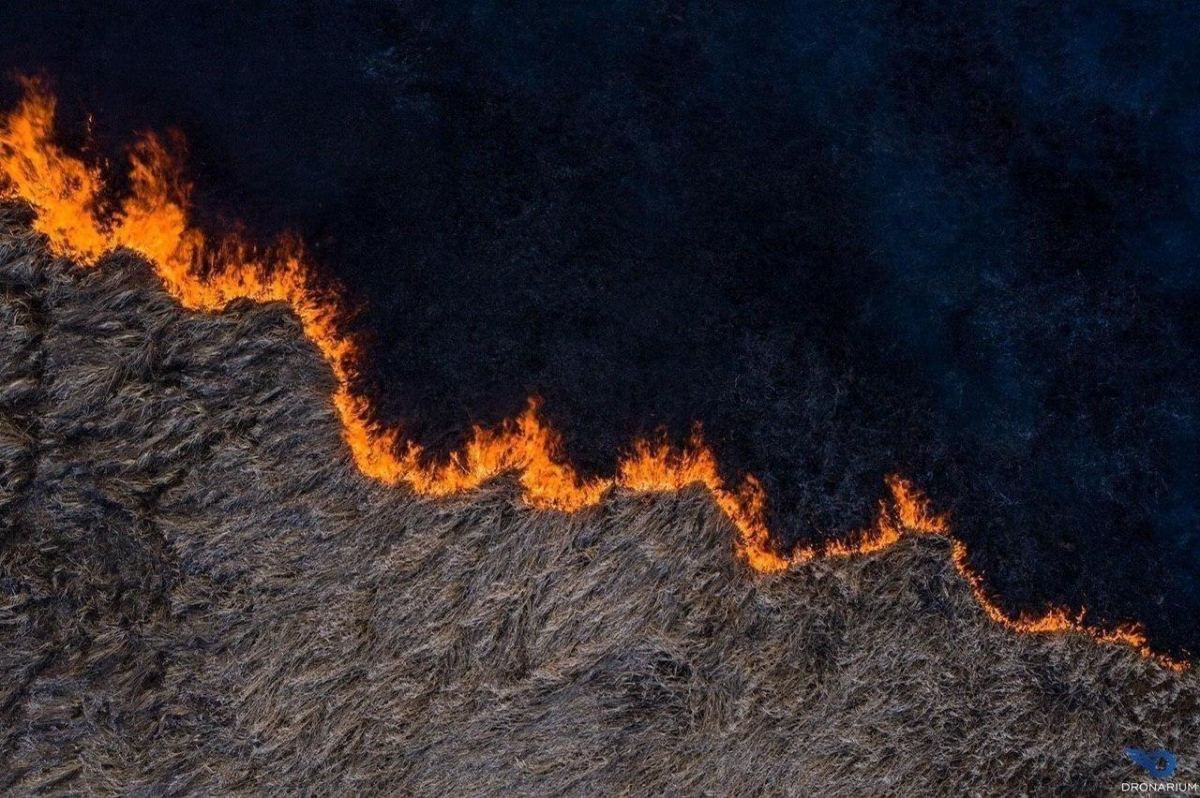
(206,275)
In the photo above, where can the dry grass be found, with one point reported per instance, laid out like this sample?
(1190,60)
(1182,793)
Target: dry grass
(200,595)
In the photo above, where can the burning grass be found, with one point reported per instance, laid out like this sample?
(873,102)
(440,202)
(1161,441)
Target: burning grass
(81,221)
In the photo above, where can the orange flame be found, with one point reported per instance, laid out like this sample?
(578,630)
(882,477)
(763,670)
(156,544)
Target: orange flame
(206,275)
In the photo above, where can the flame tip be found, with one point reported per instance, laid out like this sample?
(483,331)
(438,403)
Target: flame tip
(206,275)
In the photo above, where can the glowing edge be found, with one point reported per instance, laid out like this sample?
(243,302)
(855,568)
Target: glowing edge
(205,276)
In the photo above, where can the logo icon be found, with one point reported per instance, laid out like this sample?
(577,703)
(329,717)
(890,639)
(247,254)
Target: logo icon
(1159,763)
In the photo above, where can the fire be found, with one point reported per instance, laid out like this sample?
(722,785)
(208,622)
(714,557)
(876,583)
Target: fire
(75,214)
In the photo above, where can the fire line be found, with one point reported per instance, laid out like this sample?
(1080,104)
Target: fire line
(205,275)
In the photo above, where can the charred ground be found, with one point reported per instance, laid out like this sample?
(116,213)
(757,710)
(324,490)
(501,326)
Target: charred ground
(915,238)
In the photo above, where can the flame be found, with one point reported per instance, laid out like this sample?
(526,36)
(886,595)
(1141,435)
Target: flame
(205,275)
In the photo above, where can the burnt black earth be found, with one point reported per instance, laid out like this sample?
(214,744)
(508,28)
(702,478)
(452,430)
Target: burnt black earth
(946,239)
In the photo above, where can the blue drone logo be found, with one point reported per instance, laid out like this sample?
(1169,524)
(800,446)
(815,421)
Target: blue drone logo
(1159,763)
